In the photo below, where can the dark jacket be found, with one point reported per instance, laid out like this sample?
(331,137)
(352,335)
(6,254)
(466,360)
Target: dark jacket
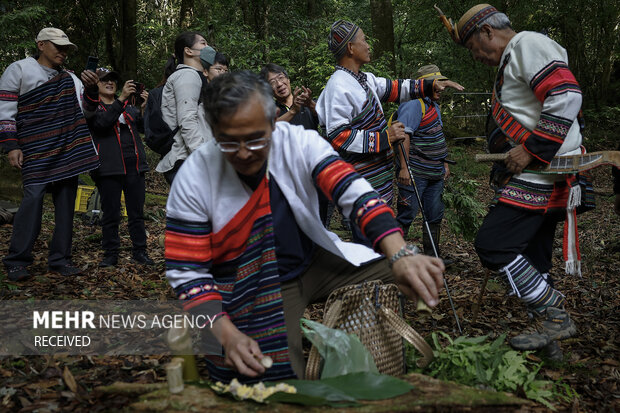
(106,130)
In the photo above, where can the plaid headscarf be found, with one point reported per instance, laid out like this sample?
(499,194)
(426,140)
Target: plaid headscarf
(340,34)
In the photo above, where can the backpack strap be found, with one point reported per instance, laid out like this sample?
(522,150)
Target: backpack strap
(394,116)
(423,107)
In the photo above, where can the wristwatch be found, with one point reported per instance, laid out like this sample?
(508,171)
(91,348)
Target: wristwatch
(406,250)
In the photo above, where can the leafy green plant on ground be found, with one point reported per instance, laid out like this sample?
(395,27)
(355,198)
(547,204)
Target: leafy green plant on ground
(476,361)
(463,212)
(466,165)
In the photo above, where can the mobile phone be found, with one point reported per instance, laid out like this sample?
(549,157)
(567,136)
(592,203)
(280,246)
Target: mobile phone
(136,99)
(139,87)
(92,63)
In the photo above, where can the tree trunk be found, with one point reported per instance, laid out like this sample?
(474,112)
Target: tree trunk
(311,9)
(129,42)
(244,5)
(109,47)
(383,30)
(186,14)
(266,31)
(202,10)
(260,23)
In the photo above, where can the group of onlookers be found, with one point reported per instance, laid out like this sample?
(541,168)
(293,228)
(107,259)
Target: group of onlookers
(115,123)
(99,132)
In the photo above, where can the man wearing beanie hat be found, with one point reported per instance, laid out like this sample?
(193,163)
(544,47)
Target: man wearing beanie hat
(426,151)
(536,101)
(43,129)
(350,111)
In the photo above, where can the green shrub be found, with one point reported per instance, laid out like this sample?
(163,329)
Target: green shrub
(463,212)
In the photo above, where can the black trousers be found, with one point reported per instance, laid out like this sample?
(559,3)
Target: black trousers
(507,232)
(27,223)
(110,188)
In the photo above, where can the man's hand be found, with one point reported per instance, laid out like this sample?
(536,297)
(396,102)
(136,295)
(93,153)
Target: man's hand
(416,276)
(617,204)
(305,97)
(396,132)
(144,95)
(16,158)
(89,79)
(307,100)
(420,276)
(403,177)
(440,85)
(297,100)
(242,353)
(518,158)
(446,174)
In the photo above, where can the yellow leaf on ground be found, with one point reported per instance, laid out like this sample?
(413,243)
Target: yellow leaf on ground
(69,380)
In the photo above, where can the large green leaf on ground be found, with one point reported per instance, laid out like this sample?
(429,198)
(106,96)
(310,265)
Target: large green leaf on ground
(347,388)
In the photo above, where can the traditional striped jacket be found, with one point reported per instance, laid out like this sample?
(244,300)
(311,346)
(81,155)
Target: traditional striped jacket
(352,116)
(537,90)
(428,137)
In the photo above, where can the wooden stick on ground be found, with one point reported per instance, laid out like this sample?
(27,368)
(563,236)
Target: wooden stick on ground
(483,287)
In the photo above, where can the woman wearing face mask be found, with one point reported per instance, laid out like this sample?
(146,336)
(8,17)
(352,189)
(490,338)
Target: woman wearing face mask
(181,100)
(115,128)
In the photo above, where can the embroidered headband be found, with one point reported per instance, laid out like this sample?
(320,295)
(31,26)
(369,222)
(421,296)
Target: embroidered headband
(468,23)
(340,34)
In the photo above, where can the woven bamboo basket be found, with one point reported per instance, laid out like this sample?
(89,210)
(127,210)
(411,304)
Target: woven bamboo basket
(372,312)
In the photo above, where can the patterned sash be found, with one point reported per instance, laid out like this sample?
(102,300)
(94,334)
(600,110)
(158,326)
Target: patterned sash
(503,119)
(246,273)
(501,128)
(52,133)
(507,123)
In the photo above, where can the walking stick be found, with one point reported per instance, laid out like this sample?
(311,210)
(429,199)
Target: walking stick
(483,287)
(428,230)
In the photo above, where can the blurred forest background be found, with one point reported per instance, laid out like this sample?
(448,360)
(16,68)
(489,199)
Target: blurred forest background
(135,37)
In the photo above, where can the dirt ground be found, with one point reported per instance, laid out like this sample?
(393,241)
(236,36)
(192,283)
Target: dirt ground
(591,365)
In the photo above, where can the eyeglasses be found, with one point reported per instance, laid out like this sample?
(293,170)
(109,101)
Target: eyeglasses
(281,78)
(220,69)
(252,145)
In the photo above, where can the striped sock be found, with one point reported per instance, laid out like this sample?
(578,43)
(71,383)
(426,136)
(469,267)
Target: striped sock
(530,285)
